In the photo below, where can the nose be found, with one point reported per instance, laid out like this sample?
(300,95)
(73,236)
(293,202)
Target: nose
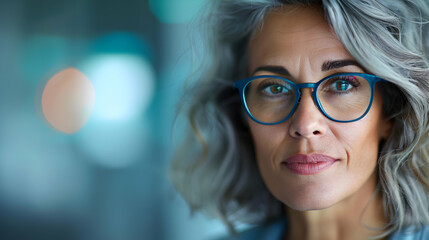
(307,121)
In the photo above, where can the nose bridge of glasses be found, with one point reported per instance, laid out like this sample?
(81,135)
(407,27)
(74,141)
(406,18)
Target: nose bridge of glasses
(305,85)
(300,86)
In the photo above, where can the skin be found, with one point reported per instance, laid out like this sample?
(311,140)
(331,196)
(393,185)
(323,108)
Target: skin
(330,204)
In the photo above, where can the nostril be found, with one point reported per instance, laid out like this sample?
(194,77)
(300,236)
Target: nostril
(298,134)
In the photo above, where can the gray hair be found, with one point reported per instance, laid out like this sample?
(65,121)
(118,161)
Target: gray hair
(215,169)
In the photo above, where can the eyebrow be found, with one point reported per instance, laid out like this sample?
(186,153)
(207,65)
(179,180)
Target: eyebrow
(329,65)
(326,66)
(274,69)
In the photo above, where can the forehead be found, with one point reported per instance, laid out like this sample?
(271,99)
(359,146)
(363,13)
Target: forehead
(294,32)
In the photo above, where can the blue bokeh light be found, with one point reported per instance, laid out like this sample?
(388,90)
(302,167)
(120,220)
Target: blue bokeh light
(123,83)
(124,86)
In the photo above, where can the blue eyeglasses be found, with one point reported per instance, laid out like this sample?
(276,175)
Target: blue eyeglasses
(344,97)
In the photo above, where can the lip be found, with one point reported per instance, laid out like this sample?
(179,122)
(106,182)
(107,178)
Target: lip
(303,164)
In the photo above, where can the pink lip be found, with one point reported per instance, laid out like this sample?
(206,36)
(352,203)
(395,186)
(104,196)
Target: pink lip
(308,164)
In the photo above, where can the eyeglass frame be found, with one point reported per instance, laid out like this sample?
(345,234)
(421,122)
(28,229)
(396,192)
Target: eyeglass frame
(242,84)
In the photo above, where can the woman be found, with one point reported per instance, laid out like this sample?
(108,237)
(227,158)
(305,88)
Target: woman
(314,113)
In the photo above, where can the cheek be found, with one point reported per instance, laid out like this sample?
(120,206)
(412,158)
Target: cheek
(360,143)
(269,147)
(361,139)
(267,140)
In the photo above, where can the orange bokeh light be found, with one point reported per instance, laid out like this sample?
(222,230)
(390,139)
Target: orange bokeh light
(68,100)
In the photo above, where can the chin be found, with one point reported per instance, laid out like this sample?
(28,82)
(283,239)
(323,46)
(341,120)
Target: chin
(309,203)
(308,206)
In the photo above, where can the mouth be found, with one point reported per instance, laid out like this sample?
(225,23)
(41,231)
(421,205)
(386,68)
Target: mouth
(303,164)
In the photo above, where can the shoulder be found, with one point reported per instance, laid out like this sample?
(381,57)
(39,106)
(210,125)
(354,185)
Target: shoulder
(412,233)
(271,230)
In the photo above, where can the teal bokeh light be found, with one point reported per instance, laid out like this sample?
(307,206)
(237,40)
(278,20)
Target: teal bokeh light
(173,11)
(124,86)
(119,67)
(121,42)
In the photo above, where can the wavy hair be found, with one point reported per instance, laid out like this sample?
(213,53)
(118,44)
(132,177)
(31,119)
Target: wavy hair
(215,168)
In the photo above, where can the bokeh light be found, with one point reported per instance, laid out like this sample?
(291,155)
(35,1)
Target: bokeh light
(68,100)
(121,42)
(124,80)
(124,86)
(173,11)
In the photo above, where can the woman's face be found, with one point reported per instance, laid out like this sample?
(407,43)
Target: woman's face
(300,41)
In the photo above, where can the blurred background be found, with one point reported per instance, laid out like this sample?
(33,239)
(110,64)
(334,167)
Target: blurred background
(89,89)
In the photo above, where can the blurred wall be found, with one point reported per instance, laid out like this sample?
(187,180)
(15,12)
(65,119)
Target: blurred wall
(87,159)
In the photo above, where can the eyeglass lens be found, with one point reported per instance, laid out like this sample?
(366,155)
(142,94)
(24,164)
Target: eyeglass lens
(343,98)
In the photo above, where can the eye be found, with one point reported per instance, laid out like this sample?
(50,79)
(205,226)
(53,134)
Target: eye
(342,84)
(276,90)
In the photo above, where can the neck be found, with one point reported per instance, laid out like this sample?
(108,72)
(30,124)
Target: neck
(356,217)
